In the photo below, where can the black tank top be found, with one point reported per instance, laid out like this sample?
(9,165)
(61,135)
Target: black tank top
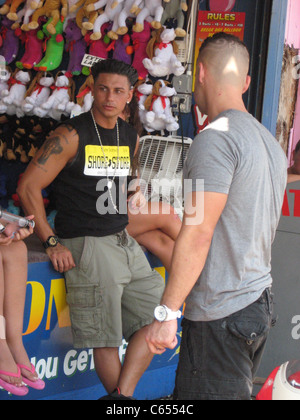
(81,188)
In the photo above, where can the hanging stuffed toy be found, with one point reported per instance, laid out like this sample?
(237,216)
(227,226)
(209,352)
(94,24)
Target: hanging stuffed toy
(10,47)
(98,48)
(143,89)
(159,116)
(112,11)
(59,101)
(24,14)
(18,87)
(4,90)
(174,10)
(130,10)
(121,50)
(54,47)
(84,98)
(83,13)
(52,9)
(71,14)
(4,82)
(33,49)
(152,11)
(162,51)
(75,46)
(38,92)
(10,9)
(140,42)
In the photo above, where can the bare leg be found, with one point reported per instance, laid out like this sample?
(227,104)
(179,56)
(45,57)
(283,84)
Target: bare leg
(159,244)
(15,275)
(137,360)
(7,362)
(108,367)
(155,216)
(126,378)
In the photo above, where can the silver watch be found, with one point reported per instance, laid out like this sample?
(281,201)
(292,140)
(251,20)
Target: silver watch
(162,314)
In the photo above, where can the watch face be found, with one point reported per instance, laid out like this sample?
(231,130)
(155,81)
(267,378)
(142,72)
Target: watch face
(52,241)
(160,313)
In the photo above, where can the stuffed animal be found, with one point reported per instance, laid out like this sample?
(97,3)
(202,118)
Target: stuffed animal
(162,51)
(84,98)
(18,87)
(70,15)
(24,14)
(52,10)
(143,89)
(158,105)
(130,10)
(10,9)
(152,11)
(112,11)
(75,46)
(4,81)
(174,10)
(4,91)
(98,48)
(33,50)
(83,13)
(38,92)
(59,101)
(140,42)
(11,42)
(54,49)
(120,48)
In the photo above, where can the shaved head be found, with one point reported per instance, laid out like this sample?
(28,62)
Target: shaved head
(227,58)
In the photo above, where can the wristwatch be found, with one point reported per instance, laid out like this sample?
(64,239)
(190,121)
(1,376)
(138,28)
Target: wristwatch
(51,242)
(162,314)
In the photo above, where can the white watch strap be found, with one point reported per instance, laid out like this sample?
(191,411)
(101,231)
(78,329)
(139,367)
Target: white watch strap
(172,315)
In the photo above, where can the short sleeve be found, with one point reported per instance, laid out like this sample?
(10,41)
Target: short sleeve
(211,163)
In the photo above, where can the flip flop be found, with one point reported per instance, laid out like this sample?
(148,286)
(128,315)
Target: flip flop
(39,385)
(19,391)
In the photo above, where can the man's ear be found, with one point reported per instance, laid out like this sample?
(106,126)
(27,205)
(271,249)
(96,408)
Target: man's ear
(247,84)
(130,96)
(201,73)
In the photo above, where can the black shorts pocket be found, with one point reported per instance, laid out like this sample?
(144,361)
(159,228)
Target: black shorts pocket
(249,331)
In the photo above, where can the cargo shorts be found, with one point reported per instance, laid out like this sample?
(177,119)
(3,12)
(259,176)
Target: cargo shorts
(112,292)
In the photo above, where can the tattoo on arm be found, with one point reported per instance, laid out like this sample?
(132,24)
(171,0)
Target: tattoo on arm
(52,146)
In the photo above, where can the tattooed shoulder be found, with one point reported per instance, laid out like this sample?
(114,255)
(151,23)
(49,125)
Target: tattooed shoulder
(52,146)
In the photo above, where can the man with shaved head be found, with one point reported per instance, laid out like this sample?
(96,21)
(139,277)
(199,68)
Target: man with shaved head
(222,259)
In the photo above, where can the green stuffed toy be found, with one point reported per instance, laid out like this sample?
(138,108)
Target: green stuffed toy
(174,10)
(54,49)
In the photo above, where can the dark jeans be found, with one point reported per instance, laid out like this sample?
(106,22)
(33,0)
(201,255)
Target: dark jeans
(219,359)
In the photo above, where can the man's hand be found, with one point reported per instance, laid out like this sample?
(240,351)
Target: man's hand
(162,335)
(61,258)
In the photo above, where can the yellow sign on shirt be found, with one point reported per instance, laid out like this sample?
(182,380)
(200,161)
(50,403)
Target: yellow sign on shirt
(107,164)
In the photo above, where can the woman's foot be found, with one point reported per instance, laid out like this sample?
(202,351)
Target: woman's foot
(21,358)
(8,364)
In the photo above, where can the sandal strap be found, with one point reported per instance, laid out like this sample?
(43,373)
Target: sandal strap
(31,370)
(13,375)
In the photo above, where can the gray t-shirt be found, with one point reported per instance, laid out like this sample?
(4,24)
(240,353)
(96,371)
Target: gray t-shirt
(237,156)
